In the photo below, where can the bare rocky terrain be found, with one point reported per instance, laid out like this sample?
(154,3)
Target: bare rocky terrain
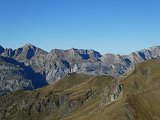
(42,67)
(57,63)
(12,78)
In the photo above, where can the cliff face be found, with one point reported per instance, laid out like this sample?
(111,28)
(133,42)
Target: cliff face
(57,63)
(44,68)
(13,78)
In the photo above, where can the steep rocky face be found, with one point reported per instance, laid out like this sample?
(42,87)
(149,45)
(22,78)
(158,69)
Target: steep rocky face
(56,64)
(145,54)
(12,78)
(112,59)
(29,54)
(61,62)
(16,76)
(1,49)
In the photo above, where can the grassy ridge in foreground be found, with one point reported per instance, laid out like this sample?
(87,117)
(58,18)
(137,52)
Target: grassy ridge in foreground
(55,101)
(83,97)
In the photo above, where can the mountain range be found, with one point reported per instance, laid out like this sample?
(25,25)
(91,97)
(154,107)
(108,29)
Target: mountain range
(78,84)
(39,67)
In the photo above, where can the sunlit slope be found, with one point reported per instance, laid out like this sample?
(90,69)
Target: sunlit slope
(86,97)
(140,101)
(55,101)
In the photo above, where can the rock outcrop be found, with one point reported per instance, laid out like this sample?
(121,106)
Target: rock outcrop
(13,78)
(57,63)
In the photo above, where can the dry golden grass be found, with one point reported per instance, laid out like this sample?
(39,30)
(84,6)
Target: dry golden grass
(140,101)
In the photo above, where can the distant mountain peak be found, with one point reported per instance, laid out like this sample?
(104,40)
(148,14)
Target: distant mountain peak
(1,49)
(155,47)
(56,63)
(29,45)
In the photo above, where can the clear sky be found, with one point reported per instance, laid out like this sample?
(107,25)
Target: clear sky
(108,26)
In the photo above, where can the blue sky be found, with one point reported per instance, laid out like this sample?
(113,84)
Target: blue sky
(109,26)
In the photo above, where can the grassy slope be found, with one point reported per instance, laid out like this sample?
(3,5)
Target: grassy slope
(84,93)
(140,100)
(52,102)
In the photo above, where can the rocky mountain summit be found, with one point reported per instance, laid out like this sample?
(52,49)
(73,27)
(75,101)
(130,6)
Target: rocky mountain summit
(46,67)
